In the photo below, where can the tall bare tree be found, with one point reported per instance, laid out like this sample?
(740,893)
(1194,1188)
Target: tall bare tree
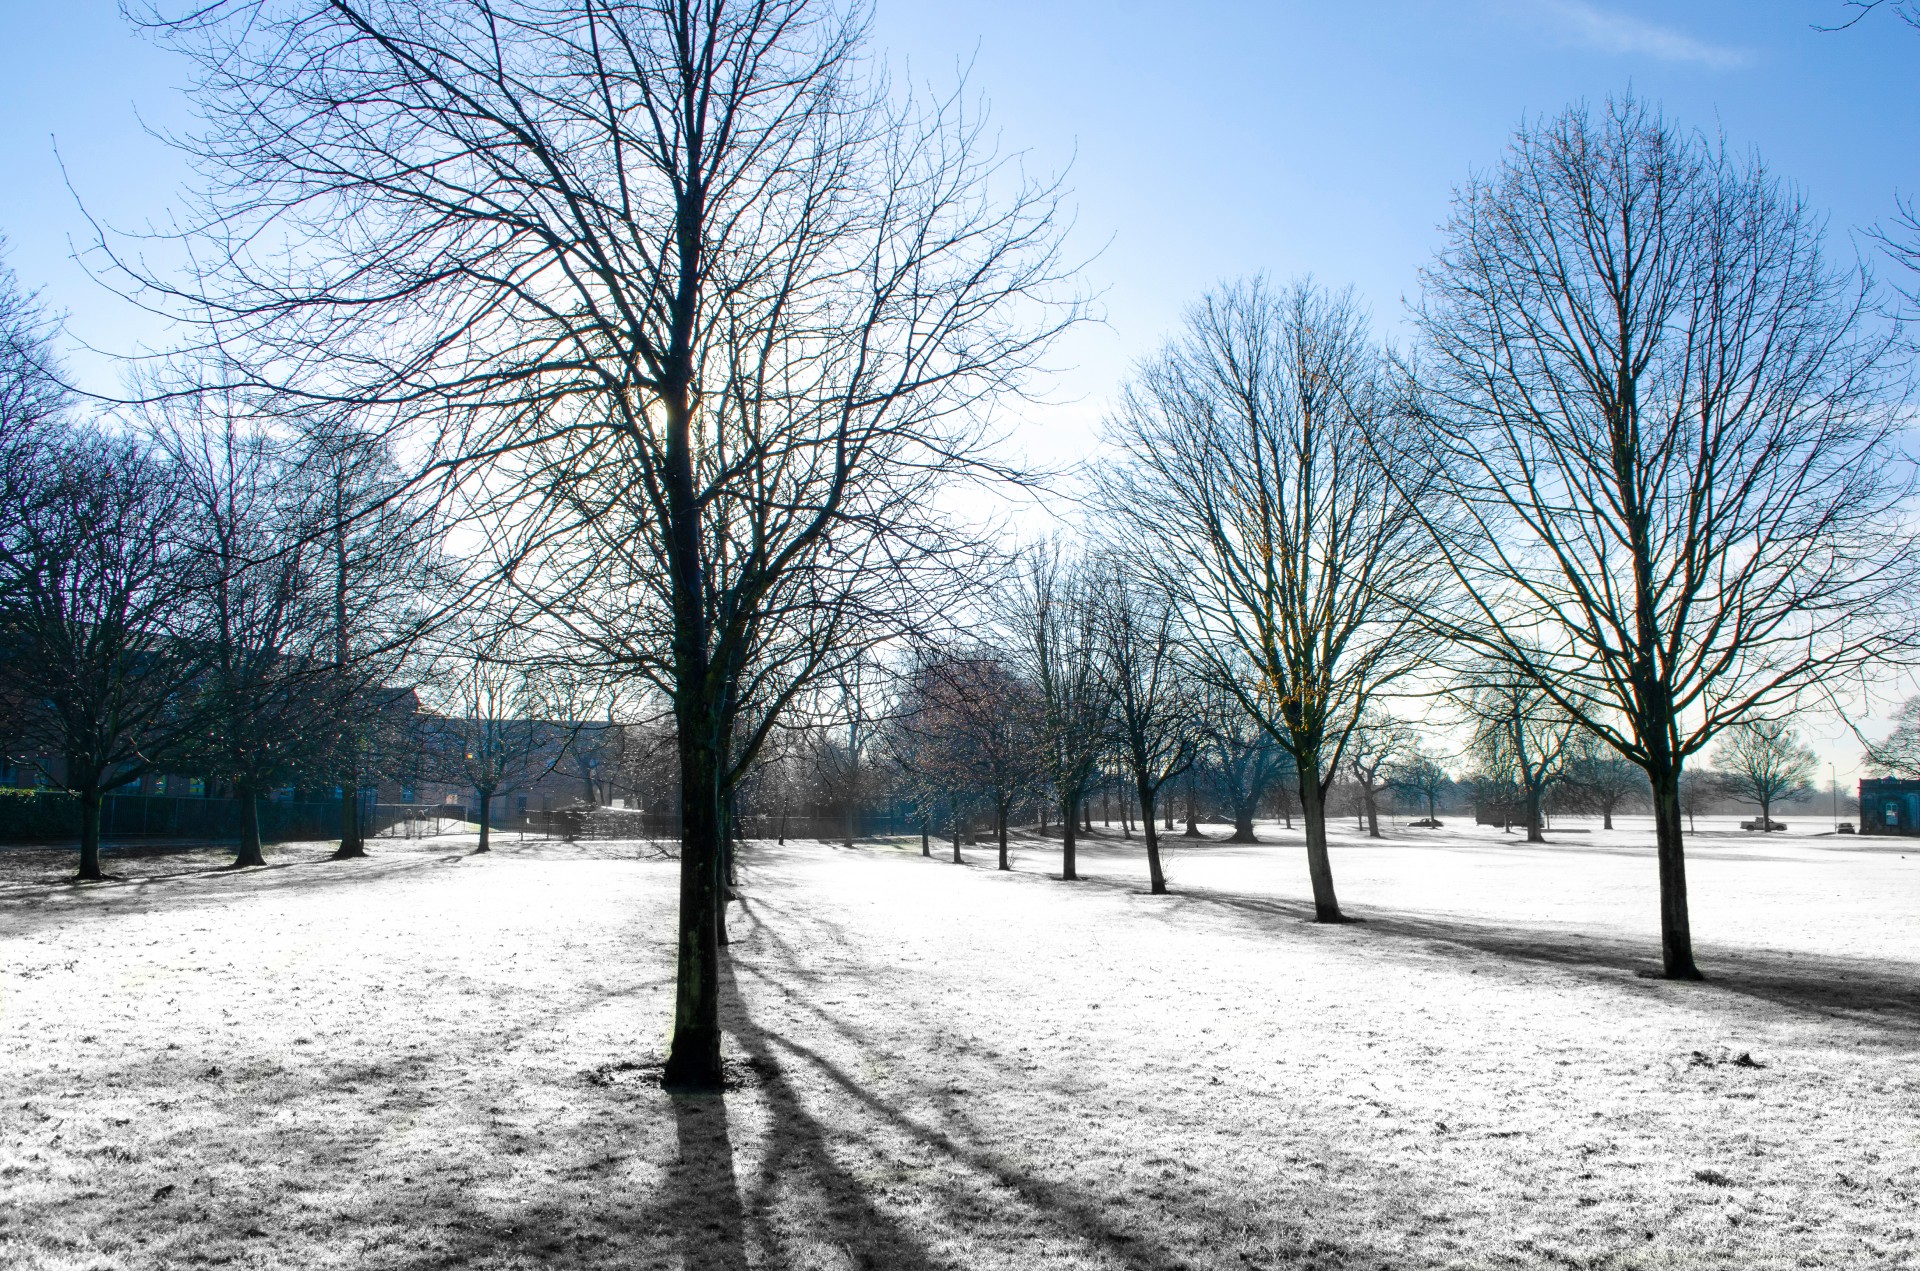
(1522,738)
(92,647)
(379,543)
(1053,615)
(268,695)
(684,283)
(1244,759)
(1153,691)
(1600,778)
(1664,422)
(1764,761)
(1248,481)
(506,718)
(1376,747)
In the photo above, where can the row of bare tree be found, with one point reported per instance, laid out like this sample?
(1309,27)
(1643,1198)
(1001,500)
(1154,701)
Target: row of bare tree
(183,593)
(700,323)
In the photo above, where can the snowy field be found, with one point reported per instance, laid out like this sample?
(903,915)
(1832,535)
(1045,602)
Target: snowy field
(430,1059)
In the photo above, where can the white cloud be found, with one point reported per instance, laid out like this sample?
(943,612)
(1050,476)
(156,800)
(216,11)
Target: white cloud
(1623,33)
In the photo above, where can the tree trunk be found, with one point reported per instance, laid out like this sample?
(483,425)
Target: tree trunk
(693,1058)
(486,820)
(1193,822)
(954,807)
(1676,932)
(926,839)
(1086,817)
(352,842)
(1536,829)
(90,833)
(1313,810)
(725,869)
(1002,818)
(1373,812)
(1606,816)
(1156,877)
(1067,818)
(1243,822)
(249,853)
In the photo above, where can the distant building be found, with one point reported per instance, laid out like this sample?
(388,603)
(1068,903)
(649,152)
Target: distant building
(1889,805)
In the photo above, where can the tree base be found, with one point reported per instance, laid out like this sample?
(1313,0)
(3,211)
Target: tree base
(693,1063)
(355,853)
(1692,975)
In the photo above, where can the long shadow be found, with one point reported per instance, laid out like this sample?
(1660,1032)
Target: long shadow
(799,1148)
(703,1196)
(27,907)
(1827,986)
(1072,1214)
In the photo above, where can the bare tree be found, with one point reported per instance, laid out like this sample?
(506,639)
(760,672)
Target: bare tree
(1601,779)
(1521,737)
(1764,761)
(1248,481)
(1424,775)
(1152,690)
(992,722)
(91,589)
(266,702)
(1377,745)
(1664,424)
(1244,758)
(507,720)
(378,541)
(1053,615)
(687,291)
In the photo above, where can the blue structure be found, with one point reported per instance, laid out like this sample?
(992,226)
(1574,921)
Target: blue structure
(1889,805)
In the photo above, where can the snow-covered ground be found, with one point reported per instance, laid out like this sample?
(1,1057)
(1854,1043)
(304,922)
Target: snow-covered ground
(432,1059)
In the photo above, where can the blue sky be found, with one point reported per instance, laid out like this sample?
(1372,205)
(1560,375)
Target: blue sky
(1205,140)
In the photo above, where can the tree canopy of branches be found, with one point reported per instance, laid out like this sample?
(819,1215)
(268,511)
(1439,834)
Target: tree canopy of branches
(702,311)
(1899,754)
(1663,422)
(1247,477)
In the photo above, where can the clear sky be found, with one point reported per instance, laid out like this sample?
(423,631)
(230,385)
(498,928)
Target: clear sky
(1204,140)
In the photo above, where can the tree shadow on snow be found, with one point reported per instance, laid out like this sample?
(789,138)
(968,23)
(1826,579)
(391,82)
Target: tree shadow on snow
(809,1147)
(1854,989)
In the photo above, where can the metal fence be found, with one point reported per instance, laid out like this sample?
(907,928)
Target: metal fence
(54,816)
